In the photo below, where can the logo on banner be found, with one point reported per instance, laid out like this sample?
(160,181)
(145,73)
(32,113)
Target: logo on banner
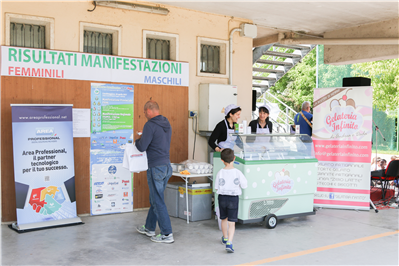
(343,118)
(44,131)
(112,169)
(282,184)
(46,200)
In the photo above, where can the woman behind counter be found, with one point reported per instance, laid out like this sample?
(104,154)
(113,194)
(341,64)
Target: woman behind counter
(262,124)
(222,131)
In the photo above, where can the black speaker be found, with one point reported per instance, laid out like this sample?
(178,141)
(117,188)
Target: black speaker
(356,82)
(253,100)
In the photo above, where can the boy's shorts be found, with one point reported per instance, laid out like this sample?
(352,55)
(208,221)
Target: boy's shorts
(228,207)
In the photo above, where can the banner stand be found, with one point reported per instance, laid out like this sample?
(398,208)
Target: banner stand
(372,205)
(44,171)
(342,129)
(24,228)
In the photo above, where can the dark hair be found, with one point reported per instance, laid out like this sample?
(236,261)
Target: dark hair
(227,155)
(232,111)
(264,110)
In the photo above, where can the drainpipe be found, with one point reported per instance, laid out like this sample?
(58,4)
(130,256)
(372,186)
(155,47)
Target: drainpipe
(231,55)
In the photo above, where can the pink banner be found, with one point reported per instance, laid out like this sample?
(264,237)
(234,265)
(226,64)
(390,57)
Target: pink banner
(343,151)
(342,128)
(342,202)
(344,190)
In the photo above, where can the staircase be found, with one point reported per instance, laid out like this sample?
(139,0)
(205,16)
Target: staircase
(270,63)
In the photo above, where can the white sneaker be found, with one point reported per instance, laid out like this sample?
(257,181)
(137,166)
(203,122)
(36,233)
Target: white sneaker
(163,239)
(145,231)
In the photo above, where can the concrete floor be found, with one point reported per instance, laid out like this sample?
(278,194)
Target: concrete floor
(113,240)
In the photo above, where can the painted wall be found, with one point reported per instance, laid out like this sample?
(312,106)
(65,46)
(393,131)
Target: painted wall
(188,24)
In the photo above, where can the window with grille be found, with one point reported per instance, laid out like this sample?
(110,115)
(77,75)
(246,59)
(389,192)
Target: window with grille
(210,58)
(27,35)
(158,49)
(97,42)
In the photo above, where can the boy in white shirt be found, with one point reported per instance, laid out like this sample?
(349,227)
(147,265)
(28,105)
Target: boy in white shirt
(229,182)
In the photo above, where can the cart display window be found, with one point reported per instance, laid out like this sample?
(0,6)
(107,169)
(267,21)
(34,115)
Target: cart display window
(274,147)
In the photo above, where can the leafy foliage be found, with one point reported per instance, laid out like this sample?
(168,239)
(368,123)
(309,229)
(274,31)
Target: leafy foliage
(384,77)
(298,84)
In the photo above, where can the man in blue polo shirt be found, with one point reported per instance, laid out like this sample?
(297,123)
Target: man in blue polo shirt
(304,119)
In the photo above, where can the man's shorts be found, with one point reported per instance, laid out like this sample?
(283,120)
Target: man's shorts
(228,207)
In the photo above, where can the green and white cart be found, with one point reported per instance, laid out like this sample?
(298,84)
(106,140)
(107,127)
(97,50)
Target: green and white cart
(281,170)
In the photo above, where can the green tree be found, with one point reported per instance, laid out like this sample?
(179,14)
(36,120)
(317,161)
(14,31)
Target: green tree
(298,84)
(384,77)
(331,76)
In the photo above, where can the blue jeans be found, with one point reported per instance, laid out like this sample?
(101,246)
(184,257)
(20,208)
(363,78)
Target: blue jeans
(157,178)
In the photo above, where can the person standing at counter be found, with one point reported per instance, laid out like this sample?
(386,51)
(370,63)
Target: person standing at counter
(304,119)
(262,125)
(220,137)
(155,140)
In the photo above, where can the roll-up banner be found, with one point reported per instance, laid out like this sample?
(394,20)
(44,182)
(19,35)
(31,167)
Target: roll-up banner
(342,129)
(43,166)
(111,129)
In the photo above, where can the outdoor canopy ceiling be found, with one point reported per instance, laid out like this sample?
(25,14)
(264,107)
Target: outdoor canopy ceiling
(310,17)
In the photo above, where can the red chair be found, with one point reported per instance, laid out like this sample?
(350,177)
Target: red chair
(385,176)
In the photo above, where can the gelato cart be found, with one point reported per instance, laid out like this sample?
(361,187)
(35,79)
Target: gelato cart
(281,170)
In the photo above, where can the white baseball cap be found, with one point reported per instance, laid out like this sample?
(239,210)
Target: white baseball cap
(229,108)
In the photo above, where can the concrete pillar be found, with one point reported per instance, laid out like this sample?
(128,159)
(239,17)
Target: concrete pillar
(350,54)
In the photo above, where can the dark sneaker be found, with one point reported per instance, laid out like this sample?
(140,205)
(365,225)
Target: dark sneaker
(229,247)
(163,238)
(224,240)
(145,231)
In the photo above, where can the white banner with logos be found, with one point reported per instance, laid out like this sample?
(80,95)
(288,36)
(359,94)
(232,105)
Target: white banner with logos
(41,63)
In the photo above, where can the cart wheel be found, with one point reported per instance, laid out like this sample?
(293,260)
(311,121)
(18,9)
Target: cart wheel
(271,221)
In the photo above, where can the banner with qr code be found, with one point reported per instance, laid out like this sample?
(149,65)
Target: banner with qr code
(43,164)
